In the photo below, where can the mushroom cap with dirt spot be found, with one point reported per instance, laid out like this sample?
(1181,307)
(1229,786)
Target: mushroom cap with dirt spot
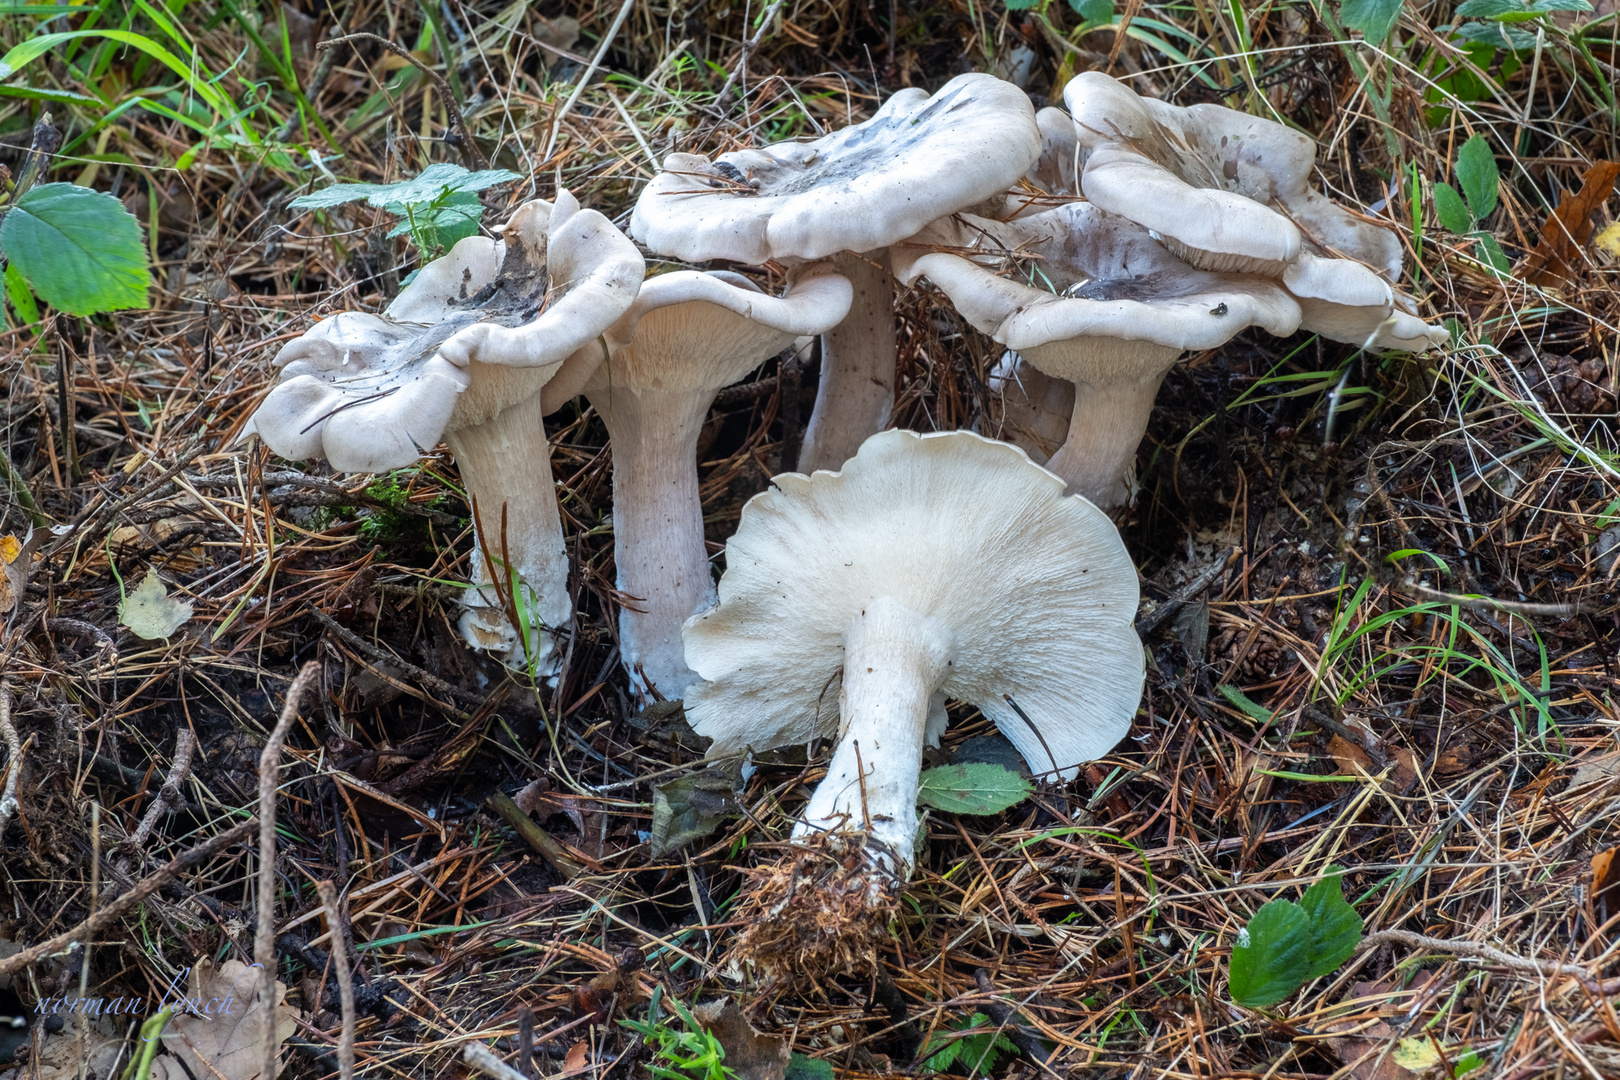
(860,188)
(1035,586)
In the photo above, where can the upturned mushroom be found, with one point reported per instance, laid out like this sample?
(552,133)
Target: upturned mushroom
(687,335)
(462,354)
(847,195)
(933,566)
(1104,306)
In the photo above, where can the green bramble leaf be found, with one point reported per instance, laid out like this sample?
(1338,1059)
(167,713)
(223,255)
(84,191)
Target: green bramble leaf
(972,788)
(1272,957)
(1476,172)
(79,250)
(433,182)
(1335,926)
(1451,210)
(1374,18)
(1489,252)
(1094,11)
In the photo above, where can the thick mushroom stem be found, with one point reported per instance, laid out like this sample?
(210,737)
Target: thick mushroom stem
(1035,407)
(658,549)
(895,659)
(856,394)
(1112,402)
(505,463)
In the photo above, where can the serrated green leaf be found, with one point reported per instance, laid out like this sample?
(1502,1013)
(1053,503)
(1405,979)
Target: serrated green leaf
(1487,9)
(79,250)
(1449,207)
(1374,18)
(1335,926)
(1499,34)
(972,788)
(1476,172)
(1094,11)
(1489,252)
(150,612)
(1272,956)
(22,300)
(430,184)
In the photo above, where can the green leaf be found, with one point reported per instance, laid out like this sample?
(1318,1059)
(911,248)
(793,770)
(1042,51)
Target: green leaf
(1453,214)
(691,808)
(973,788)
(1374,18)
(800,1067)
(432,183)
(1023,5)
(21,297)
(1487,9)
(1247,705)
(1335,926)
(1272,956)
(1499,34)
(1476,172)
(1094,11)
(79,250)
(1489,252)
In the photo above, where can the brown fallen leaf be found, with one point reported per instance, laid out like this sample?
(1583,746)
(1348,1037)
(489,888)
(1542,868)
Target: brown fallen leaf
(1567,228)
(1606,884)
(578,1060)
(750,1054)
(216,1030)
(16,560)
(103,1052)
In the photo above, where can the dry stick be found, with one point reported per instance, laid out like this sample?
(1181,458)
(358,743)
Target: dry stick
(107,513)
(457,121)
(1466,949)
(340,960)
(168,795)
(747,48)
(590,69)
(264,940)
(92,926)
(481,1058)
(14,753)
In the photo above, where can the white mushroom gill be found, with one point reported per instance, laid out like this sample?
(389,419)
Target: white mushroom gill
(461,355)
(931,566)
(849,194)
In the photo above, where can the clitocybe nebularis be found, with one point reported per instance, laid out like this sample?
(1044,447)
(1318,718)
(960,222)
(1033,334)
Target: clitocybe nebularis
(462,354)
(1105,307)
(931,566)
(847,195)
(687,335)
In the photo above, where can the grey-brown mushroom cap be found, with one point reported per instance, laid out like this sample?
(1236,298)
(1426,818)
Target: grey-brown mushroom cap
(1225,190)
(1100,276)
(1036,587)
(862,187)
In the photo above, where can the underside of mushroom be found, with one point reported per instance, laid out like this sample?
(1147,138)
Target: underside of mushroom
(853,603)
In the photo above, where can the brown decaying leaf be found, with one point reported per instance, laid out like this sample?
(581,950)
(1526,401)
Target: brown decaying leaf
(1567,228)
(220,1038)
(750,1054)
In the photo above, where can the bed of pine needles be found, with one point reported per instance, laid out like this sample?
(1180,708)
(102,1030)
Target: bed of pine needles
(1379,592)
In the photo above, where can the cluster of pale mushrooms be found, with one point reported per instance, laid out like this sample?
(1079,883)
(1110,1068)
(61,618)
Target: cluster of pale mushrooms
(894,571)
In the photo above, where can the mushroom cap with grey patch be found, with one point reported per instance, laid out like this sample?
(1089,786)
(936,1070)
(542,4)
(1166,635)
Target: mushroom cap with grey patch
(1035,586)
(1222,189)
(1345,301)
(860,188)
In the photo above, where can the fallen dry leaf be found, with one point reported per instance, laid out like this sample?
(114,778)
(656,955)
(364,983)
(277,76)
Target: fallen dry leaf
(1606,884)
(103,1053)
(750,1054)
(150,612)
(217,1036)
(1567,228)
(16,557)
(1609,240)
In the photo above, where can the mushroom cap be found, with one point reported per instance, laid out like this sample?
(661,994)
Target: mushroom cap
(857,189)
(474,333)
(1100,276)
(1205,179)
(1344,301)
(693,330)
(1036,586)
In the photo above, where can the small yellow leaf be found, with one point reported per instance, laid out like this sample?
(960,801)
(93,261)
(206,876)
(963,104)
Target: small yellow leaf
(1609,240)
(150,612)
(1416,1054)
(10,548)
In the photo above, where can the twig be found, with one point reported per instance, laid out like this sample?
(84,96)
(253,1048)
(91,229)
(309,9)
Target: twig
(1150,622)
(264,940)
(590,69)
(168,795)
(107,513)
(1004,1016)
(1465,949)
(14,753)
(457,121)
(481,1058)
(748,47)
(340,961)
(143,889)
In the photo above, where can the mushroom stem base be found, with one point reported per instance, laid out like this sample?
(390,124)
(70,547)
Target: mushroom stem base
(821,909)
